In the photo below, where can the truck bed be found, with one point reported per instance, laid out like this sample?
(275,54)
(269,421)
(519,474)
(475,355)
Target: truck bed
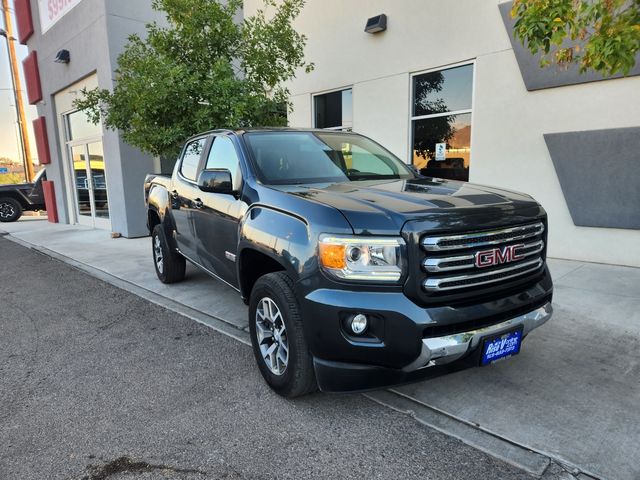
(163,179)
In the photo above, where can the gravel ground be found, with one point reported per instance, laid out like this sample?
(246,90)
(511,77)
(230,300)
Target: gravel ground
(97,383)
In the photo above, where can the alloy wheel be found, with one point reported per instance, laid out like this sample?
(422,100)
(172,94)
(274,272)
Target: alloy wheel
(7,210)
(157,254)
(272,336)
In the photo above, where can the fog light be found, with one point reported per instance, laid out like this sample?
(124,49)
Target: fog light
(359,324)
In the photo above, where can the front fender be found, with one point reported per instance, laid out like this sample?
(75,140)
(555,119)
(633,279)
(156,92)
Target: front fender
(279,235)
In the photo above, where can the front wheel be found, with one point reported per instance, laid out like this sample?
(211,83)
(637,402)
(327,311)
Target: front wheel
(10,210)
(170,265)
(275,325)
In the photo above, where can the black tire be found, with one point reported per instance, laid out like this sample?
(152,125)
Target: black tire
(298,377)
(10,210)
(171,266)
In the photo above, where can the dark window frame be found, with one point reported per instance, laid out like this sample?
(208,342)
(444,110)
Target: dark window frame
(314,110)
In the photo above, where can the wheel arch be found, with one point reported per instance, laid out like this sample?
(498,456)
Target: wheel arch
(253,264)
(18,198)
(271,240)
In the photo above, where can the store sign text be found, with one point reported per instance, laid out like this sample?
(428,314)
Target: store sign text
(53,10)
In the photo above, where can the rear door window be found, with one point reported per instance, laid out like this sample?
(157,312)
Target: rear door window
(191,159)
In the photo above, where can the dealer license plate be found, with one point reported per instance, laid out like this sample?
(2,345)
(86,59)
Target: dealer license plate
(501,346)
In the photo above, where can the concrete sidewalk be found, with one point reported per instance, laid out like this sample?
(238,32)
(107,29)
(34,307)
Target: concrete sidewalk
(572,395)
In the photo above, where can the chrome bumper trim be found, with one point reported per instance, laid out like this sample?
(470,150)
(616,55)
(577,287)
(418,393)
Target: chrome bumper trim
(447,349)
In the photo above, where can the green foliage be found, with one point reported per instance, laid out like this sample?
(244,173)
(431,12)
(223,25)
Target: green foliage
(11,178)
(597,35)
(204,71)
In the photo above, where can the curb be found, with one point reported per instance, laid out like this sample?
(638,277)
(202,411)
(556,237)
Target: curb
(516,455)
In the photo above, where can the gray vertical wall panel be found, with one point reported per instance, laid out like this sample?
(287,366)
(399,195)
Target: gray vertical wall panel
(599,171)
(534,76)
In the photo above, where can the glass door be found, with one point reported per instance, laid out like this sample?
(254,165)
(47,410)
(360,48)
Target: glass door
(91,201)
(99,181)
(87,167)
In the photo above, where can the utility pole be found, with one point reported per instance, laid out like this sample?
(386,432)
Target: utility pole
(17,92)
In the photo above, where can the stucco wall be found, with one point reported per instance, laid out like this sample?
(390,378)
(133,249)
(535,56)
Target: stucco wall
(507,144)
(94,32)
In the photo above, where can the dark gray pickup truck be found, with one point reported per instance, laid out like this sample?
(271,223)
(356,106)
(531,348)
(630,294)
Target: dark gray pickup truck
(14,199)
(358,272)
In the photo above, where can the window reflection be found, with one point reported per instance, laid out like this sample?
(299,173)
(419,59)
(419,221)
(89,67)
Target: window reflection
(81,127)
(96,162)
(452,130)
(441,122)
(191,159)
(79,156)
(443,91)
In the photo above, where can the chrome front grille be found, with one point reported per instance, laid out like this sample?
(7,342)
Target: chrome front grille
(452,264)
(461,262)
(481,239)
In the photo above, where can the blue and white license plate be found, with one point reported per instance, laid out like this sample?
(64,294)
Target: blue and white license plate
(501,346)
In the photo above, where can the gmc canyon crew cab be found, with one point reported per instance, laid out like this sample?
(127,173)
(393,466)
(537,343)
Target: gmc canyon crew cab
(15,199)
(358,272)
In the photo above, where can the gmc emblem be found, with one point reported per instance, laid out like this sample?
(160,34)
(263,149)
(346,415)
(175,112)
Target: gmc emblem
(498,256)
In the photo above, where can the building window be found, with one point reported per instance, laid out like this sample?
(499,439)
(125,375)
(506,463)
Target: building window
(334,110)
(441,122)
(79,126)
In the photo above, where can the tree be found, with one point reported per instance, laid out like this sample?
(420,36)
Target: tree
(205,70)
(596,35)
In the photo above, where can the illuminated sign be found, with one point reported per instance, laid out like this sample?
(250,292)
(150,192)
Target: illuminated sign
(53,10)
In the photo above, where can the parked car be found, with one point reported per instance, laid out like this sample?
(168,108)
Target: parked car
(14,199)
(358,272)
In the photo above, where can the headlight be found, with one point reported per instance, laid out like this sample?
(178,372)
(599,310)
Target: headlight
(379,259)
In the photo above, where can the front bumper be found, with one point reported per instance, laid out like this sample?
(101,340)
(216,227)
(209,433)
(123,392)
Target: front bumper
(440,355)
(408,342)
(449,348)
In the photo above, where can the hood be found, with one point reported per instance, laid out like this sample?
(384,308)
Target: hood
(384,206)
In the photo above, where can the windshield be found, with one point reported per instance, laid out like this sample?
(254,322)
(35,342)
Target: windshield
(285,158)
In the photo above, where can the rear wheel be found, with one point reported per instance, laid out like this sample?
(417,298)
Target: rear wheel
(170,265)
(275,325)
(10,210)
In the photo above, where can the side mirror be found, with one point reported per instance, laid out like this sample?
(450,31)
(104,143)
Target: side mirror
(215,180)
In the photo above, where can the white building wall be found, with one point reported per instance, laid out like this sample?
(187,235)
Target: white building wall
(508,123)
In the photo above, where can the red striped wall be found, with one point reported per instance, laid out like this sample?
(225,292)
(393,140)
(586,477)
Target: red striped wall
(50,200)
(32,76)
(42,140)
(24,19)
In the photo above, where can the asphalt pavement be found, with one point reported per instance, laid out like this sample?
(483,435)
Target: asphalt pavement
(97,383)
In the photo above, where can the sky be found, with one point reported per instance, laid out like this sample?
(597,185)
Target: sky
(8,127)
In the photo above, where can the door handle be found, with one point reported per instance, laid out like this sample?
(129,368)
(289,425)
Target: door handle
(174,194)
(197,203)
